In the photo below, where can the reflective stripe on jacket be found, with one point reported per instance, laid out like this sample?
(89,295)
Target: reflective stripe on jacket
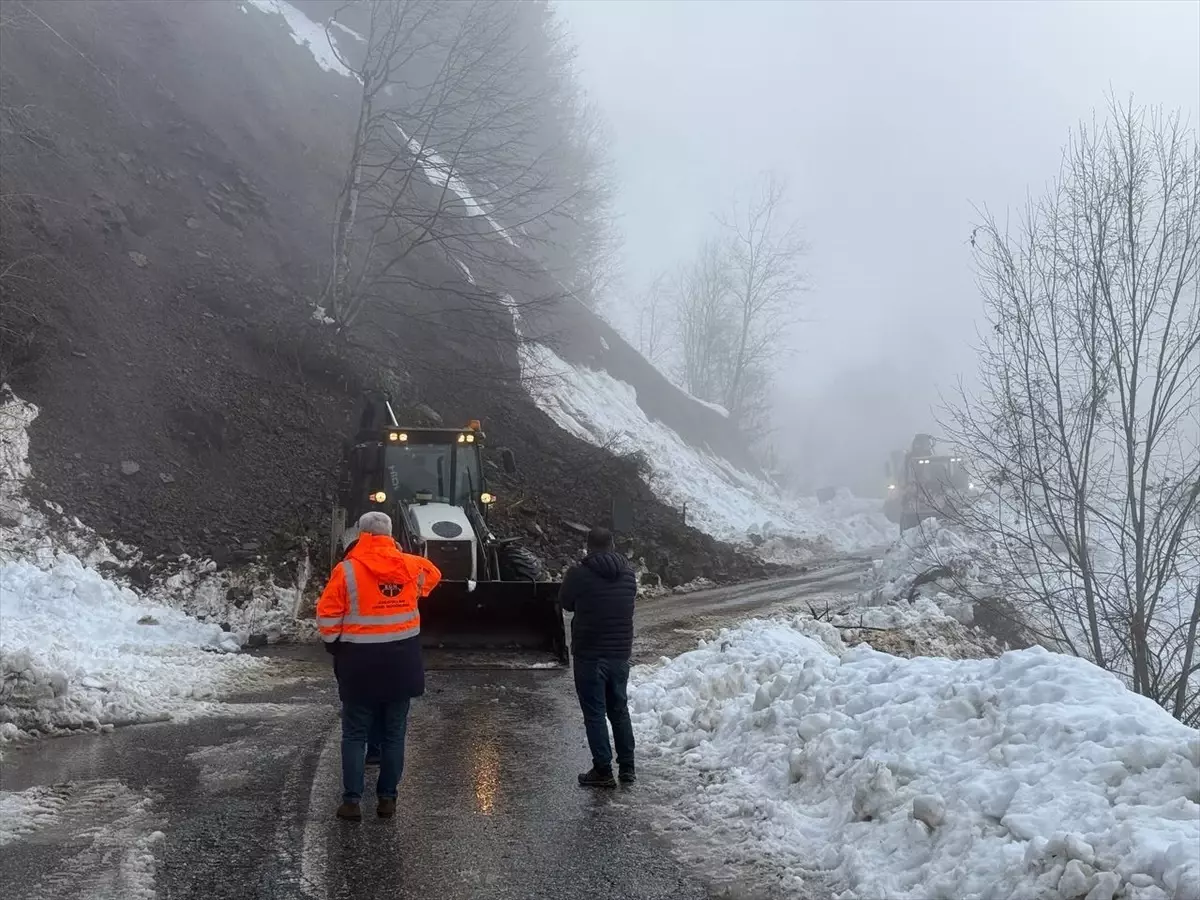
(372,594)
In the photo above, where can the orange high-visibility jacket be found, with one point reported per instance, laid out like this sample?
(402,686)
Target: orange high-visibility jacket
(372,594)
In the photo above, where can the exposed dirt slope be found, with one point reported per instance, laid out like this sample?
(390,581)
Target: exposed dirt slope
(167,169)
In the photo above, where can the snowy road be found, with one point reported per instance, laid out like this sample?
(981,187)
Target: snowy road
(241,805)
(672,624)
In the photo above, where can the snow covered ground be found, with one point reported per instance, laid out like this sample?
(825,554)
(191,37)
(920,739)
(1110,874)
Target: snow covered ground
(78,649)
(795,760)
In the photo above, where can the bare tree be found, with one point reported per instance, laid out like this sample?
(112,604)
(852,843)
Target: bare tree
(445,151)
(706,330)
(1087,419)
(654,323)
(763,260)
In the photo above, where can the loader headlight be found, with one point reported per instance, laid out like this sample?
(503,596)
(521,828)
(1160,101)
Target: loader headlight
(470,438)
(378,497)
(487,499)
(891,487)
(462,438)
(971,486)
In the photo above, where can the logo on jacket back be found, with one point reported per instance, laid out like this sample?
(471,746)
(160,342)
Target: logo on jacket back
(391,590)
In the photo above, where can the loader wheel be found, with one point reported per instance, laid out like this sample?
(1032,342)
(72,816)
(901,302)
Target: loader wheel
(520,564)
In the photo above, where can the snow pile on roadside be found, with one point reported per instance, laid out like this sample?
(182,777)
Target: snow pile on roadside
(76,648)
(1030,775)
(720,499)
(931,545)
(81,652)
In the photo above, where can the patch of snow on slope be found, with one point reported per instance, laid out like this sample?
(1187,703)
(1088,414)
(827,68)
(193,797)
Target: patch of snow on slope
(346,29)
(720,499)
(440,173)
(1031,775)
(306,33)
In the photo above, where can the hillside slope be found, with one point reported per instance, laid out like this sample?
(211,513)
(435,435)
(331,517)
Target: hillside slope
(168,169)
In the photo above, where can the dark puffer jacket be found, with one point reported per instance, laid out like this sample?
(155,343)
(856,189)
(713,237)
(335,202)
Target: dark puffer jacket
(600,591)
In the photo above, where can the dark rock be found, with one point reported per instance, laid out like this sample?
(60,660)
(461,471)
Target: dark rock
(226,627)
(256,640)
(239,597)
(147,620)
(141,576)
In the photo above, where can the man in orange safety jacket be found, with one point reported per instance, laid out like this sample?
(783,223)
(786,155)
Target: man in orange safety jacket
(369,621)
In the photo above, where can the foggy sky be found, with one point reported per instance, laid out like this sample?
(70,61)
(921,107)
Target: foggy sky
(889,120)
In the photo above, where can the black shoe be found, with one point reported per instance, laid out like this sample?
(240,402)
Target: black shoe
(628,775)
(597,778)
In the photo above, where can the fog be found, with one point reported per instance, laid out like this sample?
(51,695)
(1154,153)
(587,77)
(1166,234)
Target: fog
(889,120)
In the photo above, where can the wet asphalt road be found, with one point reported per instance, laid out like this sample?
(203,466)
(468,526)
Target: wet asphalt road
(240,805)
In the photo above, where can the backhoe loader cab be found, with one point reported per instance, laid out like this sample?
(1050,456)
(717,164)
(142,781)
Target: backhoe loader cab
(494,593)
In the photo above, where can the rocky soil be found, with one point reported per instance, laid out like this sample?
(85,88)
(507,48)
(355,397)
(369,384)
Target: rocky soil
(165,180)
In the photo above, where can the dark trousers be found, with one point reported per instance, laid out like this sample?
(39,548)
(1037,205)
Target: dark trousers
(357,722)
(602,686)
(375,739)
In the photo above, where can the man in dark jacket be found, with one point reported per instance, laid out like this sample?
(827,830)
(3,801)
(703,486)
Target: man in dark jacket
(600,591)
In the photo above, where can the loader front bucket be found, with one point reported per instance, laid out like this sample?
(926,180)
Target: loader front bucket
(498,623)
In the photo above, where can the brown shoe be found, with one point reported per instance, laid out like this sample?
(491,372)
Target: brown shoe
(386,808)
(352,812)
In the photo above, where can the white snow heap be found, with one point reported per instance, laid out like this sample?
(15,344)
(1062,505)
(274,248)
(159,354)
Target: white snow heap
(1033,775)
(81,651)
(77,649)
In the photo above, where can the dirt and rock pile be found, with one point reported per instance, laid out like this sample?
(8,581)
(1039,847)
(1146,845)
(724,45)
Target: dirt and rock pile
(166,183)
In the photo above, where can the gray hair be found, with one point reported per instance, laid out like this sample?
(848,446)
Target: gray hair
(375,522)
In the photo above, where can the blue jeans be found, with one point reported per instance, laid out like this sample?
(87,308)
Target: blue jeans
(602,686)
(357,719)
(375,738)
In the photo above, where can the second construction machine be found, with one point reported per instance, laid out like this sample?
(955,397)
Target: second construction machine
(494,594)
(923,484)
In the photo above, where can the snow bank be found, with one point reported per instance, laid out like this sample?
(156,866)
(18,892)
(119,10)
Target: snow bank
(1030,775)
(720,499)
(78,649)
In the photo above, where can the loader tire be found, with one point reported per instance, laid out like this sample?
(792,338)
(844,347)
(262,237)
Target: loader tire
(520,564)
